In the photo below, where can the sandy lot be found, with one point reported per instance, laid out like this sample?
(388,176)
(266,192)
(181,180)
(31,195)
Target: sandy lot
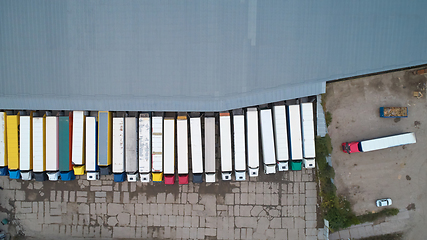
(399,173)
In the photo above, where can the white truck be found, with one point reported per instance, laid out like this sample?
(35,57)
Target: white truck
(182,145)
(26,146)
(281,137)
(295,137)
(267,138)
(239,145)
(308,138)
(252,141)
(157,149)
(196,148)
(379,143)
(131,153)
(169,150)
(39,148)
(210,169)
(52,148)
(3,147)
(225,136)
(118,149)
(78,153)
(90,149)
(144,147)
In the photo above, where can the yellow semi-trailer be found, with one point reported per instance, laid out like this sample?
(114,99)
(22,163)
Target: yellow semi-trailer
(105,141)
(3,145)
(13,145)
(26,146)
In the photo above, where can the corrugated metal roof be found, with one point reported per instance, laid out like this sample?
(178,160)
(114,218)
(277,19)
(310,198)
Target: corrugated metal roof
(196,55)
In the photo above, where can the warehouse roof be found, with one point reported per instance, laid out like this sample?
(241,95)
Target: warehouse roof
(196,55)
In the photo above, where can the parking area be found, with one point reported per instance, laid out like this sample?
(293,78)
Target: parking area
(281,206)
(398,173)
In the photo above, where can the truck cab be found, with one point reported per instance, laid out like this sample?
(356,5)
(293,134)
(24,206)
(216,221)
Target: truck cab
(351,147)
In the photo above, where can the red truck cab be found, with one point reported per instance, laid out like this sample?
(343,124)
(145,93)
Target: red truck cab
(351,147)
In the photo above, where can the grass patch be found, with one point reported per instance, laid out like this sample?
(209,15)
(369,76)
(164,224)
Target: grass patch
(370,217)
(391,236)
(337,210)
(328,118)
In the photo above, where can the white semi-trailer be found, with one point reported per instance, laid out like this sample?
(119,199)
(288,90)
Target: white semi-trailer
(225,136)
(131,153)
(3,145)
(308,141)
(252,141)
(182,145)
(169,150)
(379,143)
(210,169)
(196,148)
(39,148)
(144,147)
(267,138)
(239,145)
(90,149)
(295,137)
(78,153)
(157,149)
(281,137)
(52,148)
(118,149)
(26,146)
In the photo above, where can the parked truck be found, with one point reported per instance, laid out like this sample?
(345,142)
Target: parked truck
(239,145)
(52,147)
(169,149)
(26,146)
(157,148)
(90,149)
(225,137)
(379,143)
(295,137)
(131,145)
(196,148)
(281,137)
(13,145)
(3,145)
(119,148)
(144,144)
(182,148)
(252,141)
(210,169)
(267,138)
(308,142)
(78,153)
(39,148)
(105,142)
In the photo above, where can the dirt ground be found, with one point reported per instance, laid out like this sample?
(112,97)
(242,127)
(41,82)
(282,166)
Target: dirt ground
(399,173)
